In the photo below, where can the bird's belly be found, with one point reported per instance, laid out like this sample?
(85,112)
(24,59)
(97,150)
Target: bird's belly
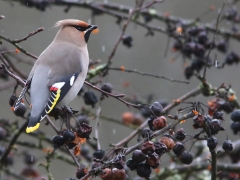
(72,93)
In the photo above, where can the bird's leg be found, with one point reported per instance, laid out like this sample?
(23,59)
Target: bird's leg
(68,113)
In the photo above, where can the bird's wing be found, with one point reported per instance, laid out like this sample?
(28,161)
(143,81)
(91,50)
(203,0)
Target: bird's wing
(58,90)
(23,92)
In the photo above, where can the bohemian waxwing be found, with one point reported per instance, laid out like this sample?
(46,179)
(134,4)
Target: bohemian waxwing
(59,72)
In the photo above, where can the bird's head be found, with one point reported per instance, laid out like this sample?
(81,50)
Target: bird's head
(74,30)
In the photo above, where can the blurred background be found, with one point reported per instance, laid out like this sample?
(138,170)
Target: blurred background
(148,54)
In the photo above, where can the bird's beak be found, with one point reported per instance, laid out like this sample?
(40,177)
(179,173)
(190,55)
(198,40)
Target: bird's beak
(93,29)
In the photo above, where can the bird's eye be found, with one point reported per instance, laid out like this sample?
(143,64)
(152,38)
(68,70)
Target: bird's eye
(80,28)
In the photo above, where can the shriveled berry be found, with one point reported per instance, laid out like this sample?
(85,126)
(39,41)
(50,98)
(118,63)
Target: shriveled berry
(235,116)
(153,160)
(84,131)
(107,87)
(180,134)
(21,110)
(107,174)
(227,146)
(160,148)
(131,164)
(212,143)
(186,157)
(160,123)
(215,126)
(119,161)
(68,136)
(90,98)
(120,174)
(156,109)
(138,156)
(178,149)
(198,121)
(127,41)
(99,154)
(57,141)
(12,99)
(168,142)
(144,170)
(81,172)
(235,126)
(29,172)
(148,147)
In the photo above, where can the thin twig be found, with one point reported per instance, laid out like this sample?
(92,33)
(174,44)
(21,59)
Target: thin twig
(97,123)
(147,74)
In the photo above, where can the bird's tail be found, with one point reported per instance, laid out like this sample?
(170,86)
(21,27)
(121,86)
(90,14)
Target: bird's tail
(33,124)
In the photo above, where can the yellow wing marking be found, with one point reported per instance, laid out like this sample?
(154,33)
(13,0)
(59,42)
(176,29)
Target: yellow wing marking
(55,100)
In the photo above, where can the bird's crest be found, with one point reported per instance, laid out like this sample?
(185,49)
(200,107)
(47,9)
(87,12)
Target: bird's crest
(71,22)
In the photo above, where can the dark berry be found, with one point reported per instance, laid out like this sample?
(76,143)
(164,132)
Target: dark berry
(107,87)
(56,113)
(222,46)
(226,106)
(57,141)
(68,136)
(29,159)
(215,126)
(143,170)
(127,41)
(138,156)
(203,37)
(231,13)
(147,17)
(150,123)
(84,131)
(235,116)
(156,109)
(199,121)
(99,154)
(231,58)
(119,162)
(177,45)
(197,64)
(193,31)
(132,165)
(199,50)
(180,134)
(21,110)
(70,145)
(160,148)
(188,49)
(227,146)
(178,149)
(82,119)
(212,143)
(146,133)
(3,133)
(12,99)
(235,126)
(90,98)
(186,157)
(81,172)
(188,72)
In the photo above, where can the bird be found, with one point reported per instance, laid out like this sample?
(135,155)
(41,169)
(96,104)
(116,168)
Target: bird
(59,72)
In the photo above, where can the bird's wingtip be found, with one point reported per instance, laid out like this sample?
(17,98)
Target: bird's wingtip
(31,129)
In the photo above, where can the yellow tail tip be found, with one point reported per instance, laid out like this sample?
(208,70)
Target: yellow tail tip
(31,129)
